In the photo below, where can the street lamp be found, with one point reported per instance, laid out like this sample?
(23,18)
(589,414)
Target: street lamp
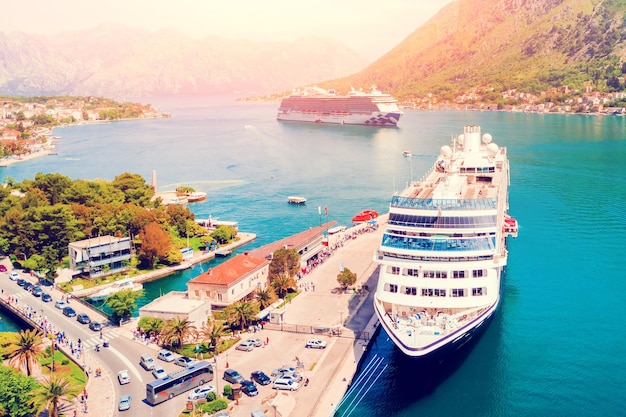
(217,379)
(341,318)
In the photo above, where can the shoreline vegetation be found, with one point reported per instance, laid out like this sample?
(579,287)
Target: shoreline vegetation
(27,123)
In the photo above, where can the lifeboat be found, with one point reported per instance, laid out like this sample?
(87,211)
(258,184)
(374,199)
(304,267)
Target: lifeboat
(510,227)
(364,216)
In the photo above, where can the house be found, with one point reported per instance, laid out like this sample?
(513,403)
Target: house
(240,277)
(234,280)
(177,304)
(100,256)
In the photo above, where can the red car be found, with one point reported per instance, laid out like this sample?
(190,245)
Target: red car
(3,268)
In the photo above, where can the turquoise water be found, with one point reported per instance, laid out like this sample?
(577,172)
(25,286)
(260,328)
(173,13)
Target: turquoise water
(555,347)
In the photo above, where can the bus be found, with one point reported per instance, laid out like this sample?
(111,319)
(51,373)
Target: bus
(176,383)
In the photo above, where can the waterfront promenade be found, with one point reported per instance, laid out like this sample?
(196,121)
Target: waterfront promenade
(319,306)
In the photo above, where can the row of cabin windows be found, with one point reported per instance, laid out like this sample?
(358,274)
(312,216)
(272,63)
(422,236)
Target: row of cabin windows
(435,292)
(476,273)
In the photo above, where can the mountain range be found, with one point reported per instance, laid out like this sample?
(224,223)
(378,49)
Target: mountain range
(481,45)
(117,61)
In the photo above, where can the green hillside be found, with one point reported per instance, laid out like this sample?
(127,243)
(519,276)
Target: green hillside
(502,45)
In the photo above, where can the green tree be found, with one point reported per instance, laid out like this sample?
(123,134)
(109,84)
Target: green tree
(265,297)
(241,313)
(151,325)
(15,391)
(224,234)
(51,393)
(123,303)
(52,185)
(282,283)
(135,188)
(176,331)
(284,262)
(213,331)
(24,349)
(346,278)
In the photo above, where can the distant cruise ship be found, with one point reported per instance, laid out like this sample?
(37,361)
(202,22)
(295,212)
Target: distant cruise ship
(444,251)
(316,105)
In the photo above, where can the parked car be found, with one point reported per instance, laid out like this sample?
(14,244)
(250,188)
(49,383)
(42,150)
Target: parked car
(69,312)
(123,377)
(292,376)
(184,361)
(285,384)
(255,342)
(3,268)
(45,297)
(95,326)
(83,318)
(260,378)
(200,392)
(165,355)
(245,346)
(146,362)
(315,344)
(282,369)
(233,376)
(249,388)
(14,276)
(158,371)
(22,282)
(36,291)
(60,304)
(124,402)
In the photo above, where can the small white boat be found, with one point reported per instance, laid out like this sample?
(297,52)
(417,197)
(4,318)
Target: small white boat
(407,153)
(196,196)
(179,200)
(296,200)
(124,284)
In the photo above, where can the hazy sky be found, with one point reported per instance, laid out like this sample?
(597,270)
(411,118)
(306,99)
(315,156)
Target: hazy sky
(370,27)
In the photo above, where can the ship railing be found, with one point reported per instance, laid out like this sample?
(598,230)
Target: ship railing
(444,204)
(484,243)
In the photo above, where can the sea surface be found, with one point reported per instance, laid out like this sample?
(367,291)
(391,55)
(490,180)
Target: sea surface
(557,345)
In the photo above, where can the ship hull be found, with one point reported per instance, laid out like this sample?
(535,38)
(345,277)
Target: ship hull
(374,119)
(442,347)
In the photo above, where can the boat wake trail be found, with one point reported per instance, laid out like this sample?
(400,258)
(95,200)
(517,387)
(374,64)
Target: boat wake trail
(362,385)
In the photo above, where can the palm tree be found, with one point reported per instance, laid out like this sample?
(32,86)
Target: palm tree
(24,349)
(265,296)
(123,302)
(212,331)
(282,283)
(50,393)
(176,331)
(240,313)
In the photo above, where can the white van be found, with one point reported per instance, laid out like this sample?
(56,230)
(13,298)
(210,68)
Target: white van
(147,362)
(285,384)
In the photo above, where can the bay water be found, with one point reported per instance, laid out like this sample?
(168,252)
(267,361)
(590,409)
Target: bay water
(556,346)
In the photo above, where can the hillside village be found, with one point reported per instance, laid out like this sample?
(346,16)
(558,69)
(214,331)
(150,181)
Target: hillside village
(26,123)
(556,100)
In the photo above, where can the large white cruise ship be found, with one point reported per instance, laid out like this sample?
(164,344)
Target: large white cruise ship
(444,250)
(316,105)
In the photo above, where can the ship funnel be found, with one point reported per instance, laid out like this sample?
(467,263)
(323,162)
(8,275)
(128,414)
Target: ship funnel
(471,138)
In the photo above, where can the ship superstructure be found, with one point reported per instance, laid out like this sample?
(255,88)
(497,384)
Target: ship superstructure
(443,254)
(316,105)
